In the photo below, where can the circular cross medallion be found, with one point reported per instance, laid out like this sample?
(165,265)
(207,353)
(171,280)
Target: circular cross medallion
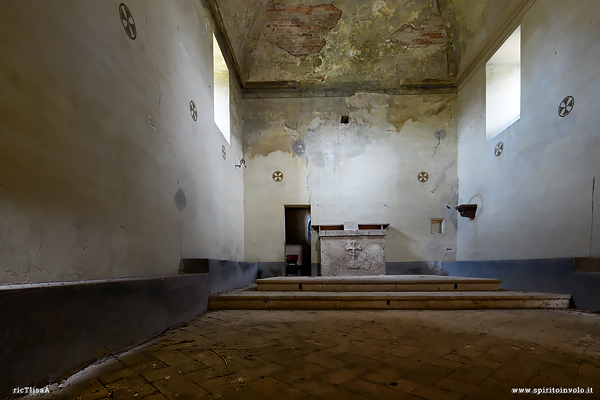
(499,149)
(224,152)
(193,110)
(566,106)
(127,21)
(423,177)
(277,176)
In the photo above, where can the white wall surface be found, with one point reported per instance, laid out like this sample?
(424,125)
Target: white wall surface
(97,137)
(535,201)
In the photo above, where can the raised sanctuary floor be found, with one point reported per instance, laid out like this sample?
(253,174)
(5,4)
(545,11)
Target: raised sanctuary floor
(351,355)
(421,292)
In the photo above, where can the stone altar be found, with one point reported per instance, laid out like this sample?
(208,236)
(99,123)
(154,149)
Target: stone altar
(352,249)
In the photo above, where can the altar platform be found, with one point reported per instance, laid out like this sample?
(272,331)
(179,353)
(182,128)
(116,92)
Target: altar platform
(420,292)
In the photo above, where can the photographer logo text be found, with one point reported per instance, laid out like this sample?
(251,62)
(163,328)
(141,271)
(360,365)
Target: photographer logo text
(31,390)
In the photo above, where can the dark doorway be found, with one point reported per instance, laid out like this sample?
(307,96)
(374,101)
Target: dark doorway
(297,237)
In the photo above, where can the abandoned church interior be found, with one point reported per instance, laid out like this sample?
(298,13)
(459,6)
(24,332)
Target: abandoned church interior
(299,199)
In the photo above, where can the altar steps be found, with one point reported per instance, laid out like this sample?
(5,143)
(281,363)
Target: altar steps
(384,283)
(382,293)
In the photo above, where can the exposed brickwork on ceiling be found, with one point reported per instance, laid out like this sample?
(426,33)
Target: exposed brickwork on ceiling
(300,30)
(431,32)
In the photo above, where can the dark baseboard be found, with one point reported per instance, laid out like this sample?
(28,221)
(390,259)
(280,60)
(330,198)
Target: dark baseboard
(270,269)
(413,268)
(556,275)
(50,331)
(228,275)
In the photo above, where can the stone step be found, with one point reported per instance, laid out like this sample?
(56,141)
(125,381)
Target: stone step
(253,299)
(384,283)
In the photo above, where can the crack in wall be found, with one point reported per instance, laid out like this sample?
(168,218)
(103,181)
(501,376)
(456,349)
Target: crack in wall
(438,145)
(440,134)
(443,175)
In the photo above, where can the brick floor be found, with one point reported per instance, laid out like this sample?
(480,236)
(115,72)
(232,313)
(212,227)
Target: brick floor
(435,355)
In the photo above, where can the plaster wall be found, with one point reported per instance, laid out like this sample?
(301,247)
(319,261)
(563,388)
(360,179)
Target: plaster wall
(98,142)
(537,199)
(477,24)
(364,171)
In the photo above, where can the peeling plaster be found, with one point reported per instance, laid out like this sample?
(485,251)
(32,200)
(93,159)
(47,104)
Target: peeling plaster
(265,131)
(430,32)
(398,115)
(357,50)
(299,30)
(360,48)
(364,170)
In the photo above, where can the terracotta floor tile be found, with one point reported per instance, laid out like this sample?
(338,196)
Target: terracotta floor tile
(370,390)
(472,390)
(342,375)
(275,390)
(326,391)
(130,388)
(472,374)
(425,391)
(348,355)
(179,387)
(429,374)
(384,376)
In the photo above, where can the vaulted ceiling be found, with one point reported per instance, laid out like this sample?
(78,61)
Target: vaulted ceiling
(344,46)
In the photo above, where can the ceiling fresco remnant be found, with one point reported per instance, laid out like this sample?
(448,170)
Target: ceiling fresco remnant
(351,46)
(300,30)
(431,32)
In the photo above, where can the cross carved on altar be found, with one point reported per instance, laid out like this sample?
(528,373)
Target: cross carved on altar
(351,246)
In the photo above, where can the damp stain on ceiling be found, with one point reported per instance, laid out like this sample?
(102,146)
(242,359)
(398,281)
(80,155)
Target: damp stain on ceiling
(376,45)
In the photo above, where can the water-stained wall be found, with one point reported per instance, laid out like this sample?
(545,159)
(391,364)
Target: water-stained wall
(537,198)
(106,167)
(364,171)
(476,24)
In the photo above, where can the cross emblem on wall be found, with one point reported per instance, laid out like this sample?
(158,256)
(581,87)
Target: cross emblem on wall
(127,21)
(499,149)
(277,176)
(193,110)
(566,106)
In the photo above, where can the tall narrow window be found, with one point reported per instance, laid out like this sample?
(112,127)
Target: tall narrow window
(221,87)
(503,86)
